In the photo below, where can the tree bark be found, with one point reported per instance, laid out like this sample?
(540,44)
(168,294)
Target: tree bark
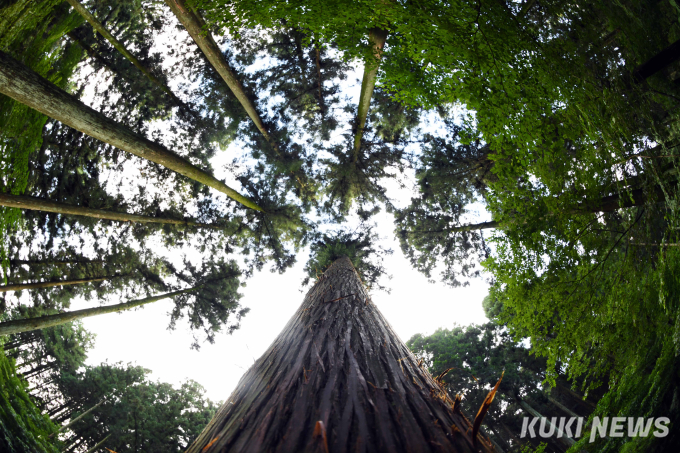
(90,51)
(99,27)
(25,86)
(658,62)
(41,322)
(98,446)
(195,25)
(338,379)
(376,38)
(611,203)
(22,286)
(561,406)
(40,204)
(77,418)
(565,389)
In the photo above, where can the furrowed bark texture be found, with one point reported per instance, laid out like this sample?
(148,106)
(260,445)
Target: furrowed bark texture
(338,379)
(25,86)
(377,38)
(41,322)
(40,204)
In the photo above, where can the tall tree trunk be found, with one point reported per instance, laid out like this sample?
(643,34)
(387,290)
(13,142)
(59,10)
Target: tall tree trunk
(636,197)
(38,369)
(195,25)
(41,322)
(376,38)
(565,389)
(338,379)
(658,62)
(73,443)
(25,86)
(99,27)
(568,441)
(40,204)
(48,262)
(511,434)
(78,418)
(99,444)
(497,447)
(91,52)
(38,285)
(561,406)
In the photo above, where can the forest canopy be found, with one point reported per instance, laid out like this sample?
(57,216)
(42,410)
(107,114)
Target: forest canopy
(170,150)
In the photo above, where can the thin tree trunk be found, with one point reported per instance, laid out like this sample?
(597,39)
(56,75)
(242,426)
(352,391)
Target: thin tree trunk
(339,379)
(561,406)
(25,86)
(37,370)
(376,38)
(78,418)
(90,51)
(73,443)
(496,446)
(636,197)
(40,204)
(96,447)
(195,25)
(567,440)
(41,322)
(528,4)
(121,48)
(38,285)
(511,434)
(658,62)
(569,391)
(52,262)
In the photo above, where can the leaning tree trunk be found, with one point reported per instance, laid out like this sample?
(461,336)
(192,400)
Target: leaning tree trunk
(658,62)
(195,25)
(338,379)
(40,204)
(611,203)
(38,285)
(99,27)
(376,38)
(41,322)
(25,86)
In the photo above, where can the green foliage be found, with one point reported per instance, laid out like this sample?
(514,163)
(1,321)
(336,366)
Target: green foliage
(358,246)
(451,175)
(471,359)
(138,414)
(213,302)
(30,31)
(22,426)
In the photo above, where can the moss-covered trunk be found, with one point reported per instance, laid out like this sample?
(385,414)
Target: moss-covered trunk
(338,379)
